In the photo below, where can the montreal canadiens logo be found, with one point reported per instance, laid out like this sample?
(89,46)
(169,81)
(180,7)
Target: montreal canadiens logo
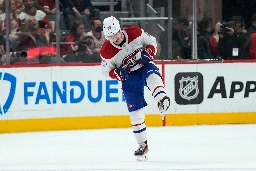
(189,87)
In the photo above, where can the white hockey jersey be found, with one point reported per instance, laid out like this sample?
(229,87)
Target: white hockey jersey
(98,41)
(114,56)
(39,16)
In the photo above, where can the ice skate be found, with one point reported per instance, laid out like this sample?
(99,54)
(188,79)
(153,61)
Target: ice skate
(163,105)
(142,152)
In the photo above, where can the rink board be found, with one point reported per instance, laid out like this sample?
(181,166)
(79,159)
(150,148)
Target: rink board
(68,97)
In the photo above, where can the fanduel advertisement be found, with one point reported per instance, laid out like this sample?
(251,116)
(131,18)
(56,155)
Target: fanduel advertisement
(66,91)
(46,91)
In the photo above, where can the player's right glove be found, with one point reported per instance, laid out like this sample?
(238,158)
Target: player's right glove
(119,74)
(124,72)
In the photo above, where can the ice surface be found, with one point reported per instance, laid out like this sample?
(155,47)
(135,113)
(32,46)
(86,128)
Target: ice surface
(204,147)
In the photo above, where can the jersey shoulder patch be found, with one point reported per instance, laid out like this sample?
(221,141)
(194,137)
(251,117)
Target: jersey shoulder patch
(133,32)
(107,50)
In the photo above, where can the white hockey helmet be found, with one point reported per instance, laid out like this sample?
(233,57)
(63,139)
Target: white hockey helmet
(110,26)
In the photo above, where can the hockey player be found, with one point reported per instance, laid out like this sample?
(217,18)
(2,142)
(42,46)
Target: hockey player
(127,55)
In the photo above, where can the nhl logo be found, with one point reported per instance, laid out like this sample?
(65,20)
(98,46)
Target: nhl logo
(189,88)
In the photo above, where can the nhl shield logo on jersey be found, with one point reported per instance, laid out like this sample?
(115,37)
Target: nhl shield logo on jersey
(189,88)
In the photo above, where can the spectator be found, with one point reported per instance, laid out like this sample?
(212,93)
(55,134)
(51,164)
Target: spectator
(36,36)
(76,34)
(63,5)
(80,7)
(19,6)
(13,25)
(215,39)
(180,40)
(13,18)
(37,41)
(205,39)
(233,42)
(87,55)
(3,58)
(252,32)
(97,34)
(252,28)
(217,31)
(64,9)
(31,11)
(48,6)
(2,53)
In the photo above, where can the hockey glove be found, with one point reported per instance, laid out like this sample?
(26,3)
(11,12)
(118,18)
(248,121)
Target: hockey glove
(145,57)
(119,74)
(124,72)
(115,74)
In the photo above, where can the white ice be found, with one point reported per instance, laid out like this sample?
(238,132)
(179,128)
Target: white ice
(204,147)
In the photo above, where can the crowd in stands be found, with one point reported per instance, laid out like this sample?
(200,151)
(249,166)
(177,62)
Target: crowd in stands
(224,40)
(32,25)
(32,28)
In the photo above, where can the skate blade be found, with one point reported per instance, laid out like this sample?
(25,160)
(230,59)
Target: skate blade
(142,158)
